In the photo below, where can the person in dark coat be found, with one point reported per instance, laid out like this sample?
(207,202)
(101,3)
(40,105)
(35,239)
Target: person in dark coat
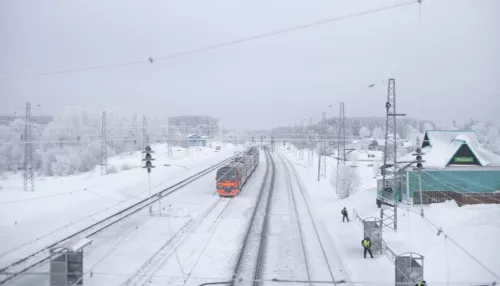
(345,214)
(367,244)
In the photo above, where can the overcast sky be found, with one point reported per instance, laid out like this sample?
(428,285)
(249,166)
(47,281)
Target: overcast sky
(445,58)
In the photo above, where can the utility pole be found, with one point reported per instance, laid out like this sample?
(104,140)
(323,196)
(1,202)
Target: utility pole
(272,142)
(169,140)
(301,140)
(104,149)
(148,165)
(321,167)
(325,136)
(341,154)
(28,174)
(418,159)
(388,197)
(310,153)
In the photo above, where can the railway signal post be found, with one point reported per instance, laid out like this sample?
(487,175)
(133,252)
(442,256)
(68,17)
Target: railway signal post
(148,165)
(419,167)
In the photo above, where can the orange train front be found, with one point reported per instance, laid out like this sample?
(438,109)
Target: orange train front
(231,178)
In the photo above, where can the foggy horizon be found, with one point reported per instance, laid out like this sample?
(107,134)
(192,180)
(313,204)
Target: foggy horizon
(442,64)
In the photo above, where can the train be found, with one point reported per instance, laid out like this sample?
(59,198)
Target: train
(231,178)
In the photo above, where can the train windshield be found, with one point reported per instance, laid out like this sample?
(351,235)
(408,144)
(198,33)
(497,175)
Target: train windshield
(226,174)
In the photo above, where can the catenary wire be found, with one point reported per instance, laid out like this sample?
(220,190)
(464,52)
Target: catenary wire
(215,46)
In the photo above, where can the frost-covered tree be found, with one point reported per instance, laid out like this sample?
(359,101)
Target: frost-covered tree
(427,126)
(364,132)
(378,133)
(347,180)
(70,143)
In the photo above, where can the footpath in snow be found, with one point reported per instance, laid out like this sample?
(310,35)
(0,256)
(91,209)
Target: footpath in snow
(61,205)
(474,228)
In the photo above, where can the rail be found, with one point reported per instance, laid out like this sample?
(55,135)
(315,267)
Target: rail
(239,267)
(42,255)
(301,191)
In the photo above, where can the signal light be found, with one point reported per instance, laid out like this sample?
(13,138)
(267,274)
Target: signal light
(148,158)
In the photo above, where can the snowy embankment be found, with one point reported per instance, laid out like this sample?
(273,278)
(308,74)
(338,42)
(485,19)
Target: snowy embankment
(474,228)
(61,205)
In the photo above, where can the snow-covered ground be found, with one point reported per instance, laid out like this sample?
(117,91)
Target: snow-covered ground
(63,204)
(474,228)
(207,246)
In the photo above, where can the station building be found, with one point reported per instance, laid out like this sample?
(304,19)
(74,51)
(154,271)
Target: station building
(456,167)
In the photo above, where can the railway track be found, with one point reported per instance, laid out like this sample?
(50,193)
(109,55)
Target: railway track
(150,267)
(299,222)
(248,265)
(318,267)
(158,259)
(40,256)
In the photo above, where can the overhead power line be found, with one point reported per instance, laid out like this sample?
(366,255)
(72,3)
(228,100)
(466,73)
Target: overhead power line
(216,46)
(446,236)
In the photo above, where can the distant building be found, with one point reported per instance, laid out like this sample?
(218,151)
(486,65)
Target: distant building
(200,125)
(196,140)
(456,167)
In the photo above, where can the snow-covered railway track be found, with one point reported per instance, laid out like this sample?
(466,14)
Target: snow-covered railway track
(210,218)
(251,256)
(158,259)
(317,266)
(42,255)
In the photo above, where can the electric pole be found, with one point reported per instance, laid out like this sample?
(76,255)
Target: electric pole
(169,140)
(341,154)
(104,149)
(321,167)
(418,159)
(28,174)
(388,197)
(310,153)
(148,165)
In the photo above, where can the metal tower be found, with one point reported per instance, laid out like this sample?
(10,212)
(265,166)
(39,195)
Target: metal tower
(341,151)
(104,149)
(388,195)
(28,166)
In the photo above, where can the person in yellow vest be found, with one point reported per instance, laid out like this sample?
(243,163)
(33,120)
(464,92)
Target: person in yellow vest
(367,244)
(423,283)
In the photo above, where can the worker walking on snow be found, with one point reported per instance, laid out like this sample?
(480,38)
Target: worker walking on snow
(367,244)
(344,215)
(423,283)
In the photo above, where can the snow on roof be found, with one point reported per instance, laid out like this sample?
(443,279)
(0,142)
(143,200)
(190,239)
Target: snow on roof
(445,143)
(74,244)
